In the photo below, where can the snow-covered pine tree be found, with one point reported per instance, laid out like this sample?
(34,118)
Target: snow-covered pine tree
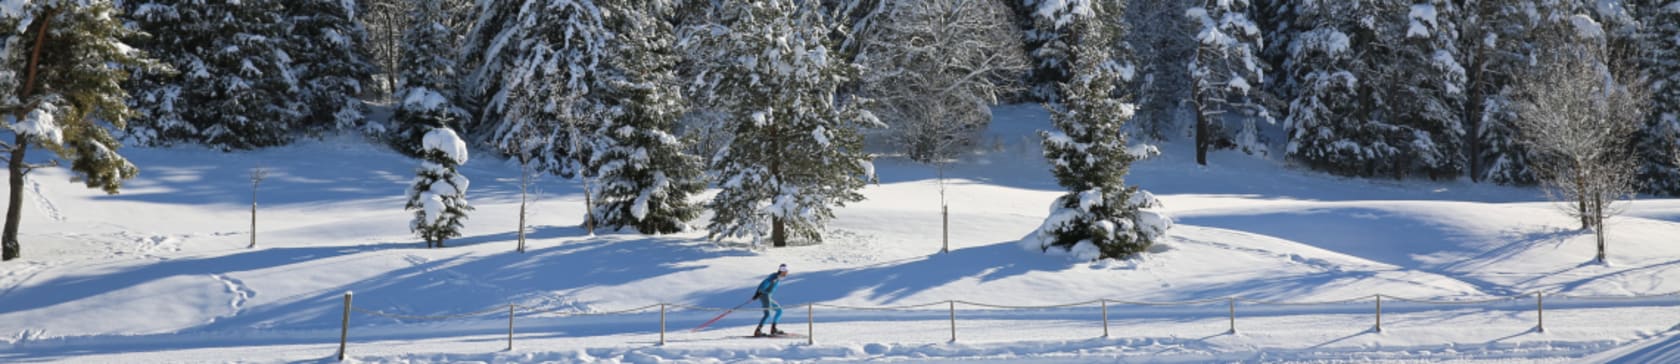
(798,153)
(1427,84)
(62,63)
(1046,26)
(439,194)
(1163,83)
(859,17)
(1277,24)
(1326,69)
(426,99)
(489,51)
(545,94)
(1100,216)
(1659,139)
(235,88)
(1226,73)
(645,177)
(325,42)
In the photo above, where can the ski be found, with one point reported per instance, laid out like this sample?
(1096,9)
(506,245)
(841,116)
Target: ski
(782,336)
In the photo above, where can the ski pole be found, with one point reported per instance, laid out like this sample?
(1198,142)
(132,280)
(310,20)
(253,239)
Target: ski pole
(719,316)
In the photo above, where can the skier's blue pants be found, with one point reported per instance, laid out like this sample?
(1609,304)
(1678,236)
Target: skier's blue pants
(770,306)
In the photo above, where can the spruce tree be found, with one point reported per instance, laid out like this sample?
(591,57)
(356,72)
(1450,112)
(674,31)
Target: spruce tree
(1659,141)
(1428,84)
(1047,34)
(645,177)
(1099,216)
(1227,75)
(1163,83)
(426,99)
(487,52)
(61,69)
(1326,113)
(798,152)
(326,43)
(235,88)
(545,96)
(439,194)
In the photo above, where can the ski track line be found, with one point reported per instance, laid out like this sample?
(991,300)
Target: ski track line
(43,203)
(34,268)
(241,293)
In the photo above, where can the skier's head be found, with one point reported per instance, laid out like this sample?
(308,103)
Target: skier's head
(782,270)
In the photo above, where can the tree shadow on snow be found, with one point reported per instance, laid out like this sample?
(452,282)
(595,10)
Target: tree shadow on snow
(892,282)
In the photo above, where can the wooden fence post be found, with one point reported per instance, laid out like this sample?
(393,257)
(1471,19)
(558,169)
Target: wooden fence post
(1105,316)
(1379,312)
(661,324)
(1233,302)
(510,327)
(810,324)
(953,320)
(344,328)
(1540,311)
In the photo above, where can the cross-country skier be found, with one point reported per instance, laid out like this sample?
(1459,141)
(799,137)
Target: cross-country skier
(765,288)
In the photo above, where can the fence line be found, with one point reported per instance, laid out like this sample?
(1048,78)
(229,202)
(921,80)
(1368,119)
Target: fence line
(514,310)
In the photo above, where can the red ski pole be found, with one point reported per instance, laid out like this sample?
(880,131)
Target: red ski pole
(719,317)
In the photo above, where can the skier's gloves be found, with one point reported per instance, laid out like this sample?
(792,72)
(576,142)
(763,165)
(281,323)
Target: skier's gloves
(757,294)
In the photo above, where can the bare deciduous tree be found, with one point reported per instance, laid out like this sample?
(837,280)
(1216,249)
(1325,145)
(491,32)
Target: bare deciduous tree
(935,68)
(1579,118)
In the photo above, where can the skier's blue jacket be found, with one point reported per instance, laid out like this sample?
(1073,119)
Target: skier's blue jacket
(768,286)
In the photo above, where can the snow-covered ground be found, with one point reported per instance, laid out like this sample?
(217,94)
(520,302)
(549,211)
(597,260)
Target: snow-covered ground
(160,273)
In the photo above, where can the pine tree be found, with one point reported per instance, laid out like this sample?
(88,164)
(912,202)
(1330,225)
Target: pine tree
(1047,32)
(1326,112)
(798,152)
(1227,73)
(645,177)
(235,88)
(1428,90)
(61,69)
(427,98)
(1277,24)
(439,194)
(1659,139)
(1163,83)
(488,52)
(546,98)
(1100,216)
(325,43)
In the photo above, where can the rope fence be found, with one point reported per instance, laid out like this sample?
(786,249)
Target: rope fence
(514,310)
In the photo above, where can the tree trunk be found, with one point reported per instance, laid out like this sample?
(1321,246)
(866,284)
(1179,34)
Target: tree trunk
(1598,227)
(1201,127)
(1473,116)
(253,216)
(778,228)
(524,183)
(588,206)
(10,248)
(1581,198)
(14,203)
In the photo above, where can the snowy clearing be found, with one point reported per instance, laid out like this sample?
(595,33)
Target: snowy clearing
(160,272)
